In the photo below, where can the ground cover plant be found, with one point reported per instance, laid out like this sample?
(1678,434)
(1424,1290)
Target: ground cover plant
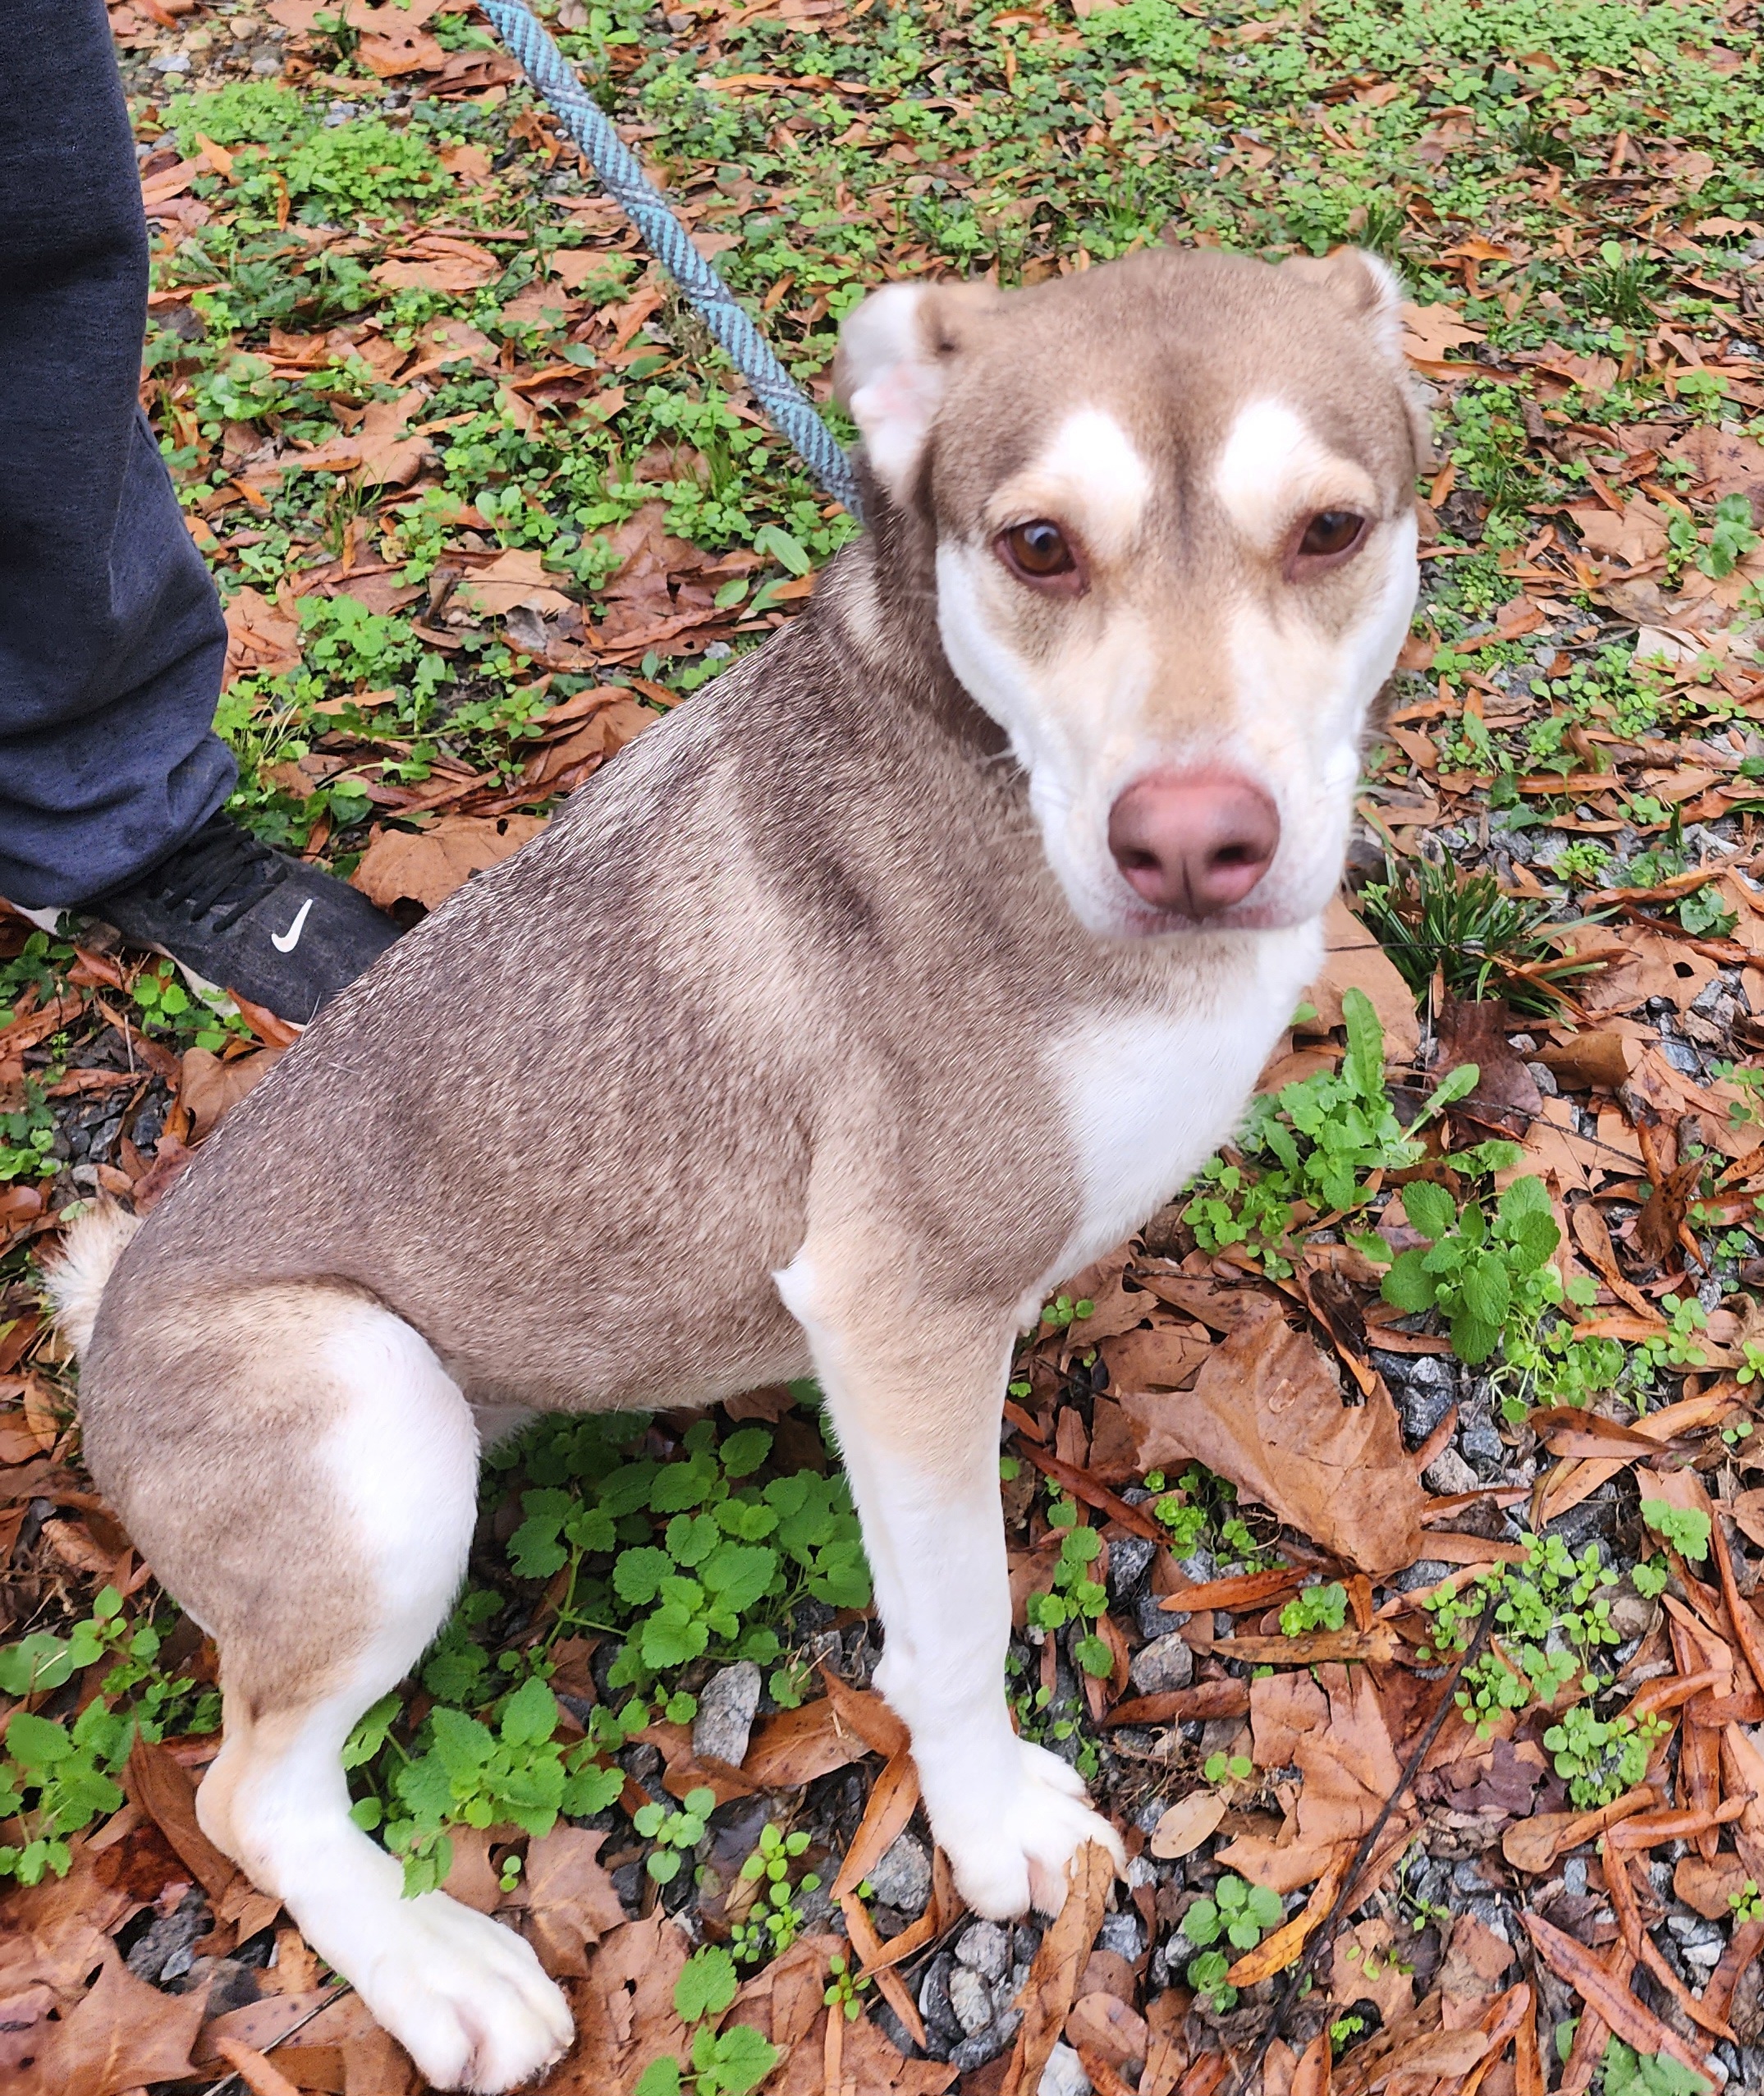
(1437,1386)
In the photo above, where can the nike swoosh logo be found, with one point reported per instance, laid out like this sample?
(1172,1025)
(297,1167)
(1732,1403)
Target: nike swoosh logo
(285,941)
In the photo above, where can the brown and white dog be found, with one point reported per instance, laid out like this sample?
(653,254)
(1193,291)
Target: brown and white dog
(901,972)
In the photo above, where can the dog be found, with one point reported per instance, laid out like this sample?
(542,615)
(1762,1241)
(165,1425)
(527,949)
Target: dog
(907,968)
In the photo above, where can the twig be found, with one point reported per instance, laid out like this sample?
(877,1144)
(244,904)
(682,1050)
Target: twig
(228,2082)
(1324,1932)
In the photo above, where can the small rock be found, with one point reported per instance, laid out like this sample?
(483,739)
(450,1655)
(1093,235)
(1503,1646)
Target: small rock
(727,1704)
(902,1879)
(934,2003)
(1631,1615)
(231,1985)
(1166,1662)
(1426,1395)
(1683,1057)
(986,1947)
(971,1999)
(1025,1940)
(1063,2074)
(170,62)
(1150,1616)
(1574,1876)
(1544,1078)
(1480,1441)
(1449,1473)
(1124,1933)
(162,1951)
(986,2044)
(1129,1557)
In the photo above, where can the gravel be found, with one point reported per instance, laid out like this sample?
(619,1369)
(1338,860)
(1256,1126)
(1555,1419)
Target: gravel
(1165,1663)
(986,1947)
(727,1704)
(902,1879)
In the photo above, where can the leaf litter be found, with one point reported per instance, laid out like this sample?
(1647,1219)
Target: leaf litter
(482,508)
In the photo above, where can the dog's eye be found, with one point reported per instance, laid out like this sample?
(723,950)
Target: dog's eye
(1332,533)
(1037,551)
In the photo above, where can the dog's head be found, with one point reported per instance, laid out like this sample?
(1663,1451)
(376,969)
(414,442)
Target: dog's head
(1172,501)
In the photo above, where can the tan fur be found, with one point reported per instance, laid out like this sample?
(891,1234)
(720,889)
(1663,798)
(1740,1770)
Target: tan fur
(778,1050)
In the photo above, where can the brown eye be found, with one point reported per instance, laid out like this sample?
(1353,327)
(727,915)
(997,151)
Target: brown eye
(1331,533)
(1038,551)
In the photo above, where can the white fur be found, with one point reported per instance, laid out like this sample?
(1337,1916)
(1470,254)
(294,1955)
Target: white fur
(1090,477)
(1009,1815)
(1273,467)
(464,1996)
(1149,1097)
(893,390)
(74,1282)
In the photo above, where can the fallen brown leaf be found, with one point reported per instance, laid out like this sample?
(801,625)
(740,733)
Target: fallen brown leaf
(427,865)
(121,2034)
(1475,1030)
(1616,2006)
(1047,1993)
(1266,1413)
(209,1089)
(1188,1823)
(1354,960)
(565,1903)
(892,1799)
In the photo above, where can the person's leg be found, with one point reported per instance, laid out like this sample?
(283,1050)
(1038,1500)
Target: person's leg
(111,641)
(113,781)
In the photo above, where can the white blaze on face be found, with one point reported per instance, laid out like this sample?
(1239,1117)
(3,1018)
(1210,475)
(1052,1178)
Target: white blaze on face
(1273,472)
(1066,714)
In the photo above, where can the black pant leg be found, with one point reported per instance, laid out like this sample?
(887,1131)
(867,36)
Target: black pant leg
(111,641)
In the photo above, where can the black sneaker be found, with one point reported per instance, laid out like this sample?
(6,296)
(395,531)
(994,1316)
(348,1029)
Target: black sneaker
(248,918)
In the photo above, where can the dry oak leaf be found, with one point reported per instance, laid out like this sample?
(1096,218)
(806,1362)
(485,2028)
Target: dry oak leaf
(565,1902)
(1353,960)
(121,2034)
(1635,537)
(1429,331)
(516,577)
(209,1089)
(260,636)
(438,262)
(426,866)
(624,2010)
(1267,1412)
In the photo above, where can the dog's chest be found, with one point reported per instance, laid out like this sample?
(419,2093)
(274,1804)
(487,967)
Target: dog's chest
(1148,1094)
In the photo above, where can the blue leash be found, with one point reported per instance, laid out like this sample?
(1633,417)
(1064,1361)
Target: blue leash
(787,406)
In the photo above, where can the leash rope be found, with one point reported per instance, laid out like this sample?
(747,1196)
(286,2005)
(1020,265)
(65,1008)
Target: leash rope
(787,407)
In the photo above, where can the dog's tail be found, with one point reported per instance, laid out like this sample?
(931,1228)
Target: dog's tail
(74,1282)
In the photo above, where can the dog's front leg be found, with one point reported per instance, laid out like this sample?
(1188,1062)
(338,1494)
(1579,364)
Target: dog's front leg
(914,1390)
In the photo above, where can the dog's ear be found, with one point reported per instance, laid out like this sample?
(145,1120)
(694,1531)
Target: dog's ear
(1370,291)
(895,354)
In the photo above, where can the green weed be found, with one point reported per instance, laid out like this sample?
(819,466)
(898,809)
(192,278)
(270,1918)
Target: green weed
(1316,1142)
(1477,1274)
(1241,1913)
(1432,919)
(731,2063)
(774,1922)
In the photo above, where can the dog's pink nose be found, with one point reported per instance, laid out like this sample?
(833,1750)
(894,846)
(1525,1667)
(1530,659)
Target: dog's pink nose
(1194,841)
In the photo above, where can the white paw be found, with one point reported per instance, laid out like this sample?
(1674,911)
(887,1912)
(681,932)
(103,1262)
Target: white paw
(1019,1853)
(464,1997)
